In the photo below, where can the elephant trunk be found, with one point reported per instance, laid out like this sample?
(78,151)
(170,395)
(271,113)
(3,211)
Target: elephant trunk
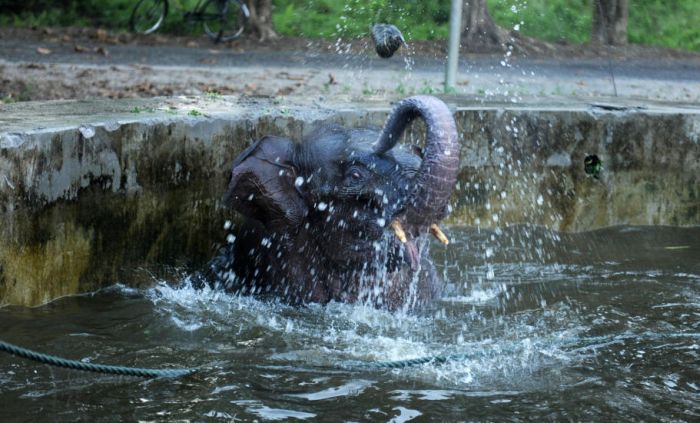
(437,175)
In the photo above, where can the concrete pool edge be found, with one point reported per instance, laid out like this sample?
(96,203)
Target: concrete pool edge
(93,192)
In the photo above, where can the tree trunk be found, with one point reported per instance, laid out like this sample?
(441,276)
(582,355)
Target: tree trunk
(610,22)
(261,19)
(480,32)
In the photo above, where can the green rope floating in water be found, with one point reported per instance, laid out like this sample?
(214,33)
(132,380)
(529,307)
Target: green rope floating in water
(397,364)
(91,367)
(594,342)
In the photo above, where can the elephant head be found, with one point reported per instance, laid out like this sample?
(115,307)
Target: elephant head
(322,211)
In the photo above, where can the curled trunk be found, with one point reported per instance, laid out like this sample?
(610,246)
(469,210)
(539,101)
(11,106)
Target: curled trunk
(437,175)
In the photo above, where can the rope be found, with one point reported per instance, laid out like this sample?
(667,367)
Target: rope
(593,343)
(411,362)
(397,364)
(90,367)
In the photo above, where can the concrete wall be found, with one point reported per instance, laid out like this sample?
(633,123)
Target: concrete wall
(93,193)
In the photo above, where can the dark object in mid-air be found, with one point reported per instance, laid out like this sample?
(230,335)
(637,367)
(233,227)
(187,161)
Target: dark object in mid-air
(387,39)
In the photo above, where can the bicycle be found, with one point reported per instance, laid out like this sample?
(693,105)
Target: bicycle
(222,20)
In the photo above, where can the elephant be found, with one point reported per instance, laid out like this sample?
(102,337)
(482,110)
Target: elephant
(341,216)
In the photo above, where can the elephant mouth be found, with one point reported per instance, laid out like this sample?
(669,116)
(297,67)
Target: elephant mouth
(354,234)
(407,238)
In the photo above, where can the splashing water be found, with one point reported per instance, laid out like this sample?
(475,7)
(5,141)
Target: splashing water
(537,323)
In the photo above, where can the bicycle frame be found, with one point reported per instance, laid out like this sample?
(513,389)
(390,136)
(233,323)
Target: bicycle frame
(223,20)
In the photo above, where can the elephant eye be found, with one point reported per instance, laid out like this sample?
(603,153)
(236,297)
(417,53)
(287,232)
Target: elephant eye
(355,174)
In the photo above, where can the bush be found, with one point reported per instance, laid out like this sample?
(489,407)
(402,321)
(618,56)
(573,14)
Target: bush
(674,23)
(418,20)
(551,20)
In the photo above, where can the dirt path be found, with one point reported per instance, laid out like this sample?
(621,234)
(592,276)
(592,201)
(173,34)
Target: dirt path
(60,64)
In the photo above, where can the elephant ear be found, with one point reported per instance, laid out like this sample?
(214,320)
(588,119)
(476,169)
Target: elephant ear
(262,185)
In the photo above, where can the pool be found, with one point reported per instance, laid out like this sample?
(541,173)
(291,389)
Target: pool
(542,325)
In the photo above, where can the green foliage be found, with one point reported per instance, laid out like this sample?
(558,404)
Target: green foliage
(108,14)
(674,24)
(111,14)
(670,23)
(418,20)
(551,20)
(138,109)
(212,95)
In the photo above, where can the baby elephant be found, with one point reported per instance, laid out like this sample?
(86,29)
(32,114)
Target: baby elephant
(339,215)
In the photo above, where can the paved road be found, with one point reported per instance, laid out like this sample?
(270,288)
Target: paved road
(670,80)
(671,69)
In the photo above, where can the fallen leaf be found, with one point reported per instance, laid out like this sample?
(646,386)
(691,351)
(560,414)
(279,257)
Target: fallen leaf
(80,49)
(84,73)
(101,50)
(284,91)
(101,34)
(43,50)
(331,79)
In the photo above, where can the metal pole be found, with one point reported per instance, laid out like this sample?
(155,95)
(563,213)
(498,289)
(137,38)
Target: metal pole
(453,45)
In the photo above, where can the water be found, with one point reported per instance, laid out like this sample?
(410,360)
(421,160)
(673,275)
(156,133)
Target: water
(599,326)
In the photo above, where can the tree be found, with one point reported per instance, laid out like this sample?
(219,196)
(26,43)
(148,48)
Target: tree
(479,31)
(610,22)
(261,19)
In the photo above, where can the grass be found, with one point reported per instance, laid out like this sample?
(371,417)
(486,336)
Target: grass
(110,14)
(651,22)
(419,20)
(552,20)
(674,24)
(25,93)
(138,109)
(212,95)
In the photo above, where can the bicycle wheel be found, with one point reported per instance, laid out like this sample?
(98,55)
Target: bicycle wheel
(224,20)
(148,15)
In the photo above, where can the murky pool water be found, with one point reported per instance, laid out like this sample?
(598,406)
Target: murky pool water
(599,326)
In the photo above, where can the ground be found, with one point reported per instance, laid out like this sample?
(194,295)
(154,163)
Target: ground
(65,63)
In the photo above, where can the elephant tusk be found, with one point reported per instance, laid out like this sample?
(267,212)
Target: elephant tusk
(437,233)
(398,230)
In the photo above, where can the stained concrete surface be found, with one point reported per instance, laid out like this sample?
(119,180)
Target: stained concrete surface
(98,192)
